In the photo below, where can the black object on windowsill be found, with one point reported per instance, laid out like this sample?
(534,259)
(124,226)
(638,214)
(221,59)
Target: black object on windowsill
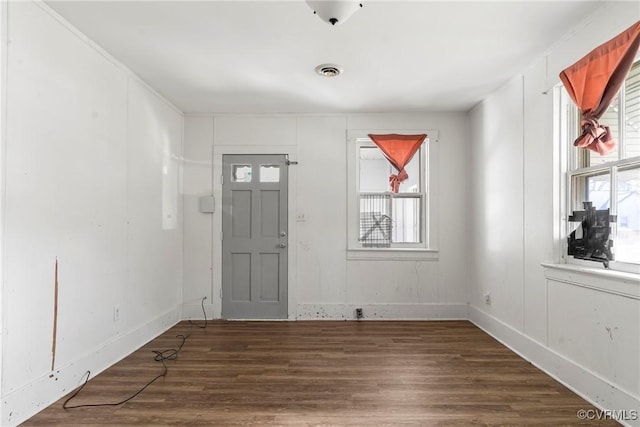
(591,240)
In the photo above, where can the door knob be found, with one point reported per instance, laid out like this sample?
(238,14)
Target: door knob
(282,245)
(283,234)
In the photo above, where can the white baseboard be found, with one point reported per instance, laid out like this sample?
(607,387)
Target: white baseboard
(588,385)
(453,311)
(23,403)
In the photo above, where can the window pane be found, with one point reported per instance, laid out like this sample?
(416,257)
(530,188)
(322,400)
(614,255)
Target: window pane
(590,232)
(611,119)
(241,173)
(627,245)
(593,188)
(406,220)
(375,221)
(374,171)
(598,189)
(411,184)
(269,173)
(632,112)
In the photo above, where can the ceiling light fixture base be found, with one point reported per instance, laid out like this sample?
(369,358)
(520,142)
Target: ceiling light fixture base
(334,11)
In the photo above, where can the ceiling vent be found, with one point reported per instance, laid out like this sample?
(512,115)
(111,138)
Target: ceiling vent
(328,70)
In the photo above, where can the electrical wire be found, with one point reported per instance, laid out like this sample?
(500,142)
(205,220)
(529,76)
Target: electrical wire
(161,356)
(205,316)
(93,405)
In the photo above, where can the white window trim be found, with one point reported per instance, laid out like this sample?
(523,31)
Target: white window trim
(424,251)
(566,161)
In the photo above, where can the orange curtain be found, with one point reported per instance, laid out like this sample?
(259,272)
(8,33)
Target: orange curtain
(399,150)
(594,81)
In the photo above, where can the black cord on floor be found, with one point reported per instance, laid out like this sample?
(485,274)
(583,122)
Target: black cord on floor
(89,405)
(205,316)
(161,356)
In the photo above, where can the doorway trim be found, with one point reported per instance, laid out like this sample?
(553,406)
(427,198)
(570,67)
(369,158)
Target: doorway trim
(216,262)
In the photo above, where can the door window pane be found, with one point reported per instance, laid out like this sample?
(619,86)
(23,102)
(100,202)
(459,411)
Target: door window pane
(240,173)
(269,173)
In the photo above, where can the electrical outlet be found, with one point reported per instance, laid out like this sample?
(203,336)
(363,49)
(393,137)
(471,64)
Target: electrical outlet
(487,298)
(116,313)
(359,314)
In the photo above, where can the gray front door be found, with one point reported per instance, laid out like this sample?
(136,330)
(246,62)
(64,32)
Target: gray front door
(254,236)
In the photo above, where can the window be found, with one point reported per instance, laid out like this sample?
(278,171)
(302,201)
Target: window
(241,173)
(611,181)
(269,173)
(380,220)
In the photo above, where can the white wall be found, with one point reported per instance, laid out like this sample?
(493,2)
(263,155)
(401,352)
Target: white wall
(198,227)
(582,329)
(92,181)
(91,164)
(324,283)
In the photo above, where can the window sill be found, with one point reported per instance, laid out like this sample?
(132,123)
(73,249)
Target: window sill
(395,254)
(609,281)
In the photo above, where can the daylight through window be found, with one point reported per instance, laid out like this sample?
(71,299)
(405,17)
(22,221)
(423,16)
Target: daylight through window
(388,219)
(611,181)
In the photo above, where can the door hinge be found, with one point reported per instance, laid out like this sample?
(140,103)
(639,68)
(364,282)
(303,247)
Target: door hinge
(290,162)
(222,179)
(221,235)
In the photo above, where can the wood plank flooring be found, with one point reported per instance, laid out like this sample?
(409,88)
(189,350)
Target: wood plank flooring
(366,373)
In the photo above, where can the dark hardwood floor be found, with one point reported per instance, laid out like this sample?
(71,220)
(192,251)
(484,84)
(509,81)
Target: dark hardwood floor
(366,373)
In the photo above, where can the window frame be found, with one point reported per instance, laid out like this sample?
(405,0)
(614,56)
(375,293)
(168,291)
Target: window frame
(424,250)
(574,165)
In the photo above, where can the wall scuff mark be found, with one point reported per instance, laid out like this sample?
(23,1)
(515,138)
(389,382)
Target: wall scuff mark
(610,331)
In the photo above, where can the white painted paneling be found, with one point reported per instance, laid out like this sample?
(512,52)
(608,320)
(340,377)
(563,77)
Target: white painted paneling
(397,121)
(393,282)
(322,199)
(497,217)
(4,40)
(322,277)
(538,211)
(65,195)
(425,281)
(560,327)
(598,331)
(198,164)
(452,199)
(255,130)
(92,178)
(154,140)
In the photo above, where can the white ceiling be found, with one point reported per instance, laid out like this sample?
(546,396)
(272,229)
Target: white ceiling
(259,56)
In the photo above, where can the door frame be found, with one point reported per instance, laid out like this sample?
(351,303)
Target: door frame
(216,262)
